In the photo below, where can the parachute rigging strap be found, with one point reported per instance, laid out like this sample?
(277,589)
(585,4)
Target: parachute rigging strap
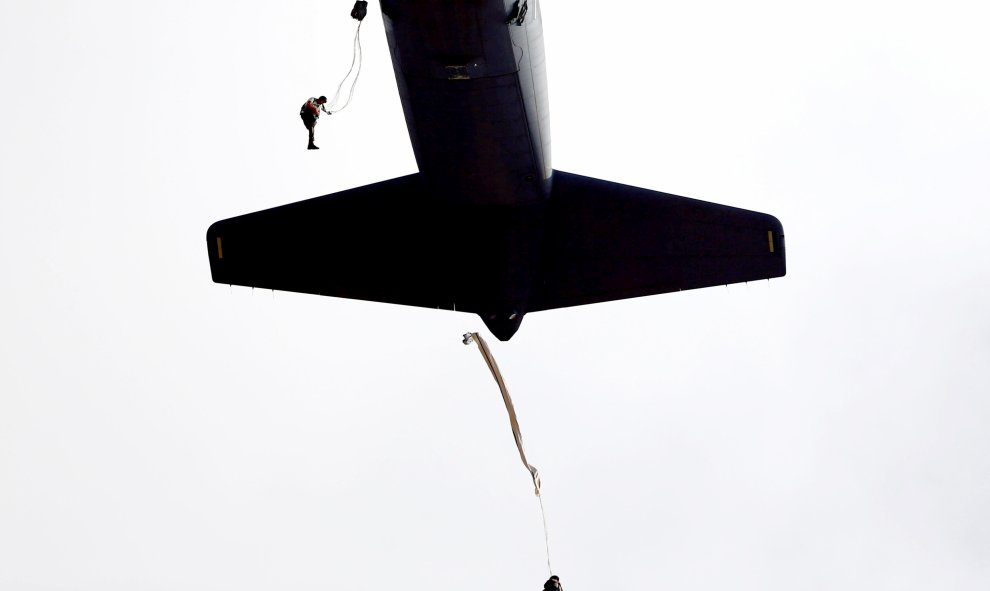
(516,434)
(486,353)
(355,59)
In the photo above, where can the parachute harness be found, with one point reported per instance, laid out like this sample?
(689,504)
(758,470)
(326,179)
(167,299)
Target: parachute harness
(473,337)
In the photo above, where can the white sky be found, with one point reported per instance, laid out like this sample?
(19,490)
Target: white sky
(824,431)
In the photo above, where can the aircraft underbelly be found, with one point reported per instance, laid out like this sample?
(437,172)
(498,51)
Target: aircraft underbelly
(473,93)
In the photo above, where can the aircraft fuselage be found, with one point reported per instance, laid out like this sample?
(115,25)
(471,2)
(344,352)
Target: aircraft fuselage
(474,94)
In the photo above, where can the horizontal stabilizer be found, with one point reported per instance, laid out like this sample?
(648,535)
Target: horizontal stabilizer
(591,241)
(390,242)
(607,241)
(375,242)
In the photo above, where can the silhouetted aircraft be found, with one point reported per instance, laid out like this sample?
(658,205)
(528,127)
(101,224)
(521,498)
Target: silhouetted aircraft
(487,226)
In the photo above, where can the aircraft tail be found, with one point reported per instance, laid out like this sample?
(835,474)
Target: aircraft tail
(378,242)
(390,242)
(592,241)
(608,241)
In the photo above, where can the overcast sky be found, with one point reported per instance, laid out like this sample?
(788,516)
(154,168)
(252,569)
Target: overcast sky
(823,431)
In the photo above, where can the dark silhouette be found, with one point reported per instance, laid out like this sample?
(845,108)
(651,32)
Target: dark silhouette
(487,226)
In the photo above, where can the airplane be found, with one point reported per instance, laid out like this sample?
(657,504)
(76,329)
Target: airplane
(487,226)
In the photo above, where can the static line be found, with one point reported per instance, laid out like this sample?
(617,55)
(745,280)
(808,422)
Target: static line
(546,534)
(473,337)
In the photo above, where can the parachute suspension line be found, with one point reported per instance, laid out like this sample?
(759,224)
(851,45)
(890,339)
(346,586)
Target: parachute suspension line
(355,59)
(546,534)
(473,337)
